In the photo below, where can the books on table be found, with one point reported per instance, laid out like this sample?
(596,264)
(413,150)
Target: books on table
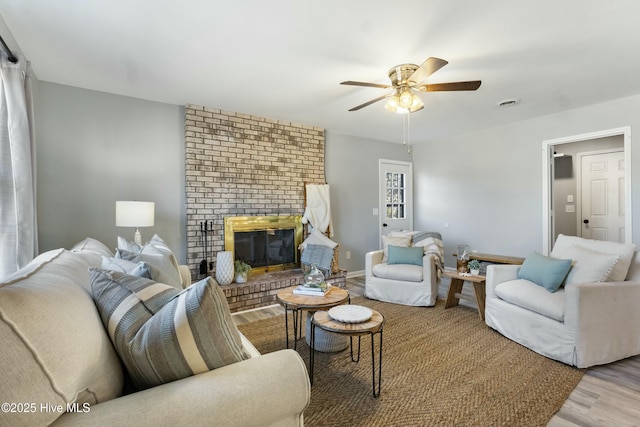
(320,290)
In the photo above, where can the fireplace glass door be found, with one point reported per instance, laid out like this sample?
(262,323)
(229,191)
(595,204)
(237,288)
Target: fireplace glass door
(264,248)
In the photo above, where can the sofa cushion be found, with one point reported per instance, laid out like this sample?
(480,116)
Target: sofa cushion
(164,266)
(403,255)
(588,265)
(162,334)
(161,265)
(403,272)
(53,347)
(528,295)
(91,250)
(544,271)
(139,269)
(624,250)
(128,245)
(404,241)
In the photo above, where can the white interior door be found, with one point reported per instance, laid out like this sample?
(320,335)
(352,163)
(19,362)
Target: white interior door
(602,196)
(396,196)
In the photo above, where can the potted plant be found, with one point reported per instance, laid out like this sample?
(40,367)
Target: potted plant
(242,270)
(474,267)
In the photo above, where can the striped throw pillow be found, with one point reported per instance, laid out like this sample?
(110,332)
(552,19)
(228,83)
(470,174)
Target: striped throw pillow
(163,334)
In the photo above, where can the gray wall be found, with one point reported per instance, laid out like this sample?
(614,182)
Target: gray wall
(94,148)
(351,166)
(487,186)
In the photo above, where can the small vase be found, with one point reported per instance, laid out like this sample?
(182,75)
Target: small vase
(462,258)
(224,267)
(475,272)
(314,277)
(241,278)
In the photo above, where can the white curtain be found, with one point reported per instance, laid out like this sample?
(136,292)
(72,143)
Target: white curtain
(18,231)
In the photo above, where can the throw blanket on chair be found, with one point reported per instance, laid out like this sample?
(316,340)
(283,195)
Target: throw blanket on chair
(430,241)
(433,245)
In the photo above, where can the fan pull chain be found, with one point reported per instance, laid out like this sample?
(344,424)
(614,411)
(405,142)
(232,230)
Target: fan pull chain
(406,132)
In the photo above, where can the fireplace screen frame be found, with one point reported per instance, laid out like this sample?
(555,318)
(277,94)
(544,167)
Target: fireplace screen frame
(258,223)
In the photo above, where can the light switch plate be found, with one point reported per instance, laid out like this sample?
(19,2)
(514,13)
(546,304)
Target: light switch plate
(570,208)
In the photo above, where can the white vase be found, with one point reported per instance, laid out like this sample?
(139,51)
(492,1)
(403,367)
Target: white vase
(241,278)
(475,272)
(224,267)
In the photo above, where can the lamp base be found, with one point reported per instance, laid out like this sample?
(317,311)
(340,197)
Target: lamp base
(137,237)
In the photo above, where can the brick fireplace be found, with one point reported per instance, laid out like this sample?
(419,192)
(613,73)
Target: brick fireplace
(243,165)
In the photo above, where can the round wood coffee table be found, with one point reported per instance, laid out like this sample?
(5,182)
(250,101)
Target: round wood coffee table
(371,327)
(311,303)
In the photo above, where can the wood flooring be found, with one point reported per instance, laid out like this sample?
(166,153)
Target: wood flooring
(607,395)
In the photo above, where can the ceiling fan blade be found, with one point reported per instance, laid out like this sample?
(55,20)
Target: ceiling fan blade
(380,98)
(442,87)
(351,83)
(428,67)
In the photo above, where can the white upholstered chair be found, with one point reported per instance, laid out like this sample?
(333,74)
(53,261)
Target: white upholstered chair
(592,319)
(407,284)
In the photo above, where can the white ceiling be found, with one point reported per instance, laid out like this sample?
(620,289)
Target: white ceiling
(284,59)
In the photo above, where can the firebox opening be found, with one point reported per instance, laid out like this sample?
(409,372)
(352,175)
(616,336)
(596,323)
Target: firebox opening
(266,243)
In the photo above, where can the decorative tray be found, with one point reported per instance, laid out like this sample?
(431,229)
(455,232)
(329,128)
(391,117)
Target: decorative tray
(350,313)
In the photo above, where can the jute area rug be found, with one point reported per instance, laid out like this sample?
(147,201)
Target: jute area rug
(439,368)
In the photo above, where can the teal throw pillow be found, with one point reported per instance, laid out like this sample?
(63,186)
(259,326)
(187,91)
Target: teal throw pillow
(405,255)
(545,271)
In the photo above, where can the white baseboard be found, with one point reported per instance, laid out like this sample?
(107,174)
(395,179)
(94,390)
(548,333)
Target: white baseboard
(355,273)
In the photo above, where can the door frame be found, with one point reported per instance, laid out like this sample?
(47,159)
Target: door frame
(381,212)
(579,156)
(547,181)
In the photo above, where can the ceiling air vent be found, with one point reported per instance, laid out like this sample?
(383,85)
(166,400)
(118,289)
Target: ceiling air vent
(508,102)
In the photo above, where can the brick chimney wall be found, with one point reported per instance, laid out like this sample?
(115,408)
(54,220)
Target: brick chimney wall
(243,165)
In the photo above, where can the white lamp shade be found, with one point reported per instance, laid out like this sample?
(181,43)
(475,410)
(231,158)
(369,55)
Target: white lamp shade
(135,214)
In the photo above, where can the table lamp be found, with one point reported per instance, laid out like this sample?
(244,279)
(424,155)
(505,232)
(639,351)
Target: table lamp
(135,214)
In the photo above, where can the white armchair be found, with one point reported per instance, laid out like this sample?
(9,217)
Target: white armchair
(583,323)
(406,284)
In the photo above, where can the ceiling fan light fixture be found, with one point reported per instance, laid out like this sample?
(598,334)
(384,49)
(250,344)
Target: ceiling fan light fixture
(392,104)
(416,104)
(406,98)
(404,102)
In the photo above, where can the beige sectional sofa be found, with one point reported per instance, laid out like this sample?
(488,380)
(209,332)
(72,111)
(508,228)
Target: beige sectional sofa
(59,366)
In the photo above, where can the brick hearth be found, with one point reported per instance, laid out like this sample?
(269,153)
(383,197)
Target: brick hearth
(261,290)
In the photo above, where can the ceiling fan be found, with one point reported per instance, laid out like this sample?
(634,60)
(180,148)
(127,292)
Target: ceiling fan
(406,80)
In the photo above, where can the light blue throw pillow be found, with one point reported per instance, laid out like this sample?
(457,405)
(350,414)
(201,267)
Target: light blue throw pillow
(545,271)
(405,255)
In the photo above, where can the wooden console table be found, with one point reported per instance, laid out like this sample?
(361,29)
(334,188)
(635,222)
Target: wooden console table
(495,259)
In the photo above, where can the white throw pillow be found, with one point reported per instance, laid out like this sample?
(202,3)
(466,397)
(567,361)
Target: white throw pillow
(588,265)
(623,250)
(404,241)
